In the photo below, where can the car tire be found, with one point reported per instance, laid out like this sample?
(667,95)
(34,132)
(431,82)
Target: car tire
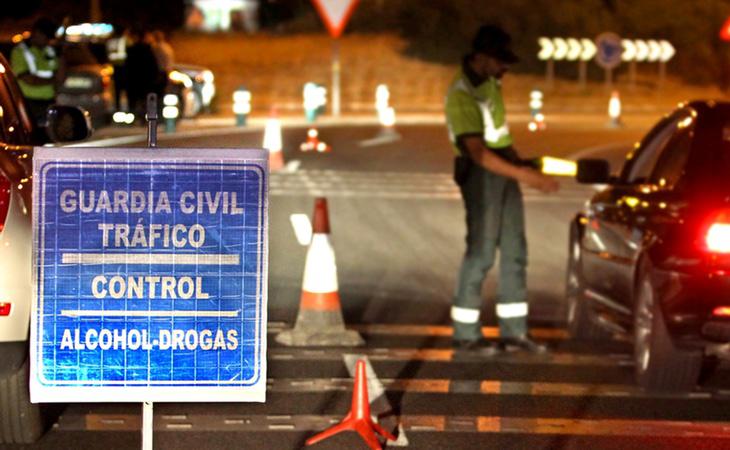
(580,319)
(21,422)
(659,365)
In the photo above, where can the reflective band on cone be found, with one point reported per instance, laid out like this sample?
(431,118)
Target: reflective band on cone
(329,301)
(319,321)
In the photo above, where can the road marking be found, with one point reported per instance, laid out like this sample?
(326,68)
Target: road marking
(397,185)
(302,228)
(483,387)
(150,258)
(449,355)
(382,139)
(292,166)
(431,330)
(412,423)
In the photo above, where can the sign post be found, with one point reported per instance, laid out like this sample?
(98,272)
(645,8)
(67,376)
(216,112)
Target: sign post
(335,14)
(150,276)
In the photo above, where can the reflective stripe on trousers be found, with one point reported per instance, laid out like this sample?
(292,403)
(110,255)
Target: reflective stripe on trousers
(495,220)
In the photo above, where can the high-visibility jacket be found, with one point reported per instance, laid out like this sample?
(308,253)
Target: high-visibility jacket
(477,110)
(41,62)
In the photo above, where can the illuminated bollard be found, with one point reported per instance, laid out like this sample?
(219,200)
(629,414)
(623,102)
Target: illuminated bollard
(614,110)
(170,112)
(382,98)
(387,123)
(315,99)
(241,105)
(538,118)
(123,118)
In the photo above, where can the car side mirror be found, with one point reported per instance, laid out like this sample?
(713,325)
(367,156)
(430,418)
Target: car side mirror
(593,171)
(67,123)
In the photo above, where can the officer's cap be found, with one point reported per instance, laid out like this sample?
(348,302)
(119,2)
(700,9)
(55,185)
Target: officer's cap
(493,41)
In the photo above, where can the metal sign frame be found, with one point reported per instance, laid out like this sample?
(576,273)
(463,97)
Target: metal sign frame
(237,254)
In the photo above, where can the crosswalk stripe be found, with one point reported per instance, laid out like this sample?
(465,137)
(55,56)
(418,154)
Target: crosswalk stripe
(396,185)
(430,330)
(448,355)
(410,423)
(484,387)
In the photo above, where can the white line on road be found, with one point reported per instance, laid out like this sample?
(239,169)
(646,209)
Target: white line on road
(150,258)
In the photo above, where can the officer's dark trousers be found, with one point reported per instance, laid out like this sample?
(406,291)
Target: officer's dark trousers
(495,220)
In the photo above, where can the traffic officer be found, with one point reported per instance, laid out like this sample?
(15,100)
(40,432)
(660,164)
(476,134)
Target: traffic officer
(116,50)
(35,64)
(487,170)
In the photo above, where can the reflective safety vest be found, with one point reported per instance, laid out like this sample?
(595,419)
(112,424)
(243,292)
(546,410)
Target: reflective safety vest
(477,110)
(39,62)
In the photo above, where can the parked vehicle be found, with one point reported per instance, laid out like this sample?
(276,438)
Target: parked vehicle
(87,83)
(650,254)
(202,82)
(21,421)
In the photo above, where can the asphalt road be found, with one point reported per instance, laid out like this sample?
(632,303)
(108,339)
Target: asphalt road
(397,231)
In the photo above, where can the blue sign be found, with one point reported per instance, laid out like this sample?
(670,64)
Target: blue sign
(151,275)
(608,50)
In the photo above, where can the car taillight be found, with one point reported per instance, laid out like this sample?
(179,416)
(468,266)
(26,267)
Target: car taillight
(721,311)
(4,309)
(4,200)
(717,236)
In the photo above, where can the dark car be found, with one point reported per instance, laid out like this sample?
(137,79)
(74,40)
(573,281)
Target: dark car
(87,82)
(650,255)
(21,421)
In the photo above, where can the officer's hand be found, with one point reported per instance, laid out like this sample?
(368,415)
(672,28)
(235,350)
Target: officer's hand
(542,182)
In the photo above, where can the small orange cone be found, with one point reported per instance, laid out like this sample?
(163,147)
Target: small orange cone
(358,419)
(273,141)
(313,143)
(319,321)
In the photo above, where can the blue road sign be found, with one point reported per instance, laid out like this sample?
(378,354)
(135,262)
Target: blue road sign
(151,275)
(608,50)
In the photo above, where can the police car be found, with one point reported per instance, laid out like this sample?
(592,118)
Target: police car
(21,421)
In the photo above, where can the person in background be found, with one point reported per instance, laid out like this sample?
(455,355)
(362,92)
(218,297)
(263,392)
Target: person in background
(116,51)
(142,73)
(164,56)
(36,65)
(163,51)
(488,171)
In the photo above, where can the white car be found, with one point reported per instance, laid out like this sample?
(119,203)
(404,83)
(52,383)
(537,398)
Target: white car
(21,421)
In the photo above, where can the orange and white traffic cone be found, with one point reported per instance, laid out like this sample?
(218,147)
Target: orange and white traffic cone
(358,419)
(313,143)
(319,321)
(273,142)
